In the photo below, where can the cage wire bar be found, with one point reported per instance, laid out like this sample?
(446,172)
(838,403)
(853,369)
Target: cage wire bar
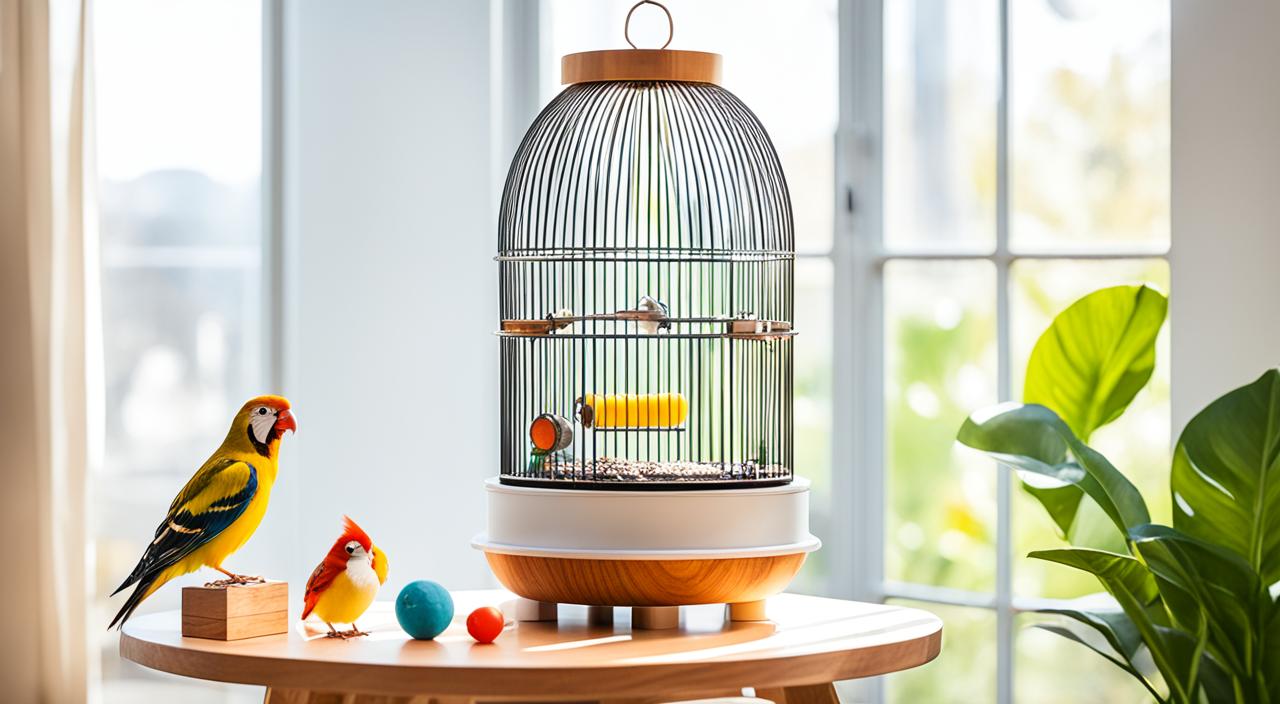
(646,263)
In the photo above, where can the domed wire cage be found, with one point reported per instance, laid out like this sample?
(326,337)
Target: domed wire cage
(646,263)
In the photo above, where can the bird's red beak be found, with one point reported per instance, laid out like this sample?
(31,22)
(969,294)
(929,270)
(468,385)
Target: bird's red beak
(286,421)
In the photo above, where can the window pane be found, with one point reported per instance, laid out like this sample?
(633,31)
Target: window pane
(179,145)
(940,88)
(813,407)
(197,110)
(1137,443)
(1089,125)
(940,363)
(181,342)
(779,58)
(1049,669)
(964,673)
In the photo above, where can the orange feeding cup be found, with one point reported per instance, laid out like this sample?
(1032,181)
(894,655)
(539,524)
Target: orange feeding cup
(550,432)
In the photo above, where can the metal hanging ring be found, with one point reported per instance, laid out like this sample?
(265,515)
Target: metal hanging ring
(671,26)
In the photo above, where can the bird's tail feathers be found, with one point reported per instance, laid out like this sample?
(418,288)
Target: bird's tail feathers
(133,578)
(146,586)
(138,573)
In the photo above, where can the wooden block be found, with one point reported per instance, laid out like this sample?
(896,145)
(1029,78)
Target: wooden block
(236,612)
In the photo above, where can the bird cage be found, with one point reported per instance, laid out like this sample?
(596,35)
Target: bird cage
(646,265)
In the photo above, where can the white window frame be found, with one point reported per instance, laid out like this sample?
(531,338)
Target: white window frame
(271,198)
(859,256)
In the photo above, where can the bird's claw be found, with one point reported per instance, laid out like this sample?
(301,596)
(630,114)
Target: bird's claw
(346,635)
(235,580)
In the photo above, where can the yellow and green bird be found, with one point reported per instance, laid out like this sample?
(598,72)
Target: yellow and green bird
(220,507)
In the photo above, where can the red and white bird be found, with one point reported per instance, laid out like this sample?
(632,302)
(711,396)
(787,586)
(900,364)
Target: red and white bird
(343,586)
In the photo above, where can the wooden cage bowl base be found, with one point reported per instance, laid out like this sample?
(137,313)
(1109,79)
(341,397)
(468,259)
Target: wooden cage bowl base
(653,588)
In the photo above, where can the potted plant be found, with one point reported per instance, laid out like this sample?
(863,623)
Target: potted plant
(1196,600)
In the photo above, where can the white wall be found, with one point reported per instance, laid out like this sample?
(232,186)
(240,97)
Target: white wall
(1225,303)
(390,286)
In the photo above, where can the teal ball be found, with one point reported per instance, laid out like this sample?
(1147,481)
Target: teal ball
(424,609)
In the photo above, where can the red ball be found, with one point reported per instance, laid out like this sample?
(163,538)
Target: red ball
(485,623)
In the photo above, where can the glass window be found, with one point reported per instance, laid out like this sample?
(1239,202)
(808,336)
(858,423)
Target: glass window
(941,82)
(1078,166)
(1089,125)
(179,115)
(940,362)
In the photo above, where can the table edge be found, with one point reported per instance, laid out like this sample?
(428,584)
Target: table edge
(634,679)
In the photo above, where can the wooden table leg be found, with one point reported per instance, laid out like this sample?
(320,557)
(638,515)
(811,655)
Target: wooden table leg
(806,694)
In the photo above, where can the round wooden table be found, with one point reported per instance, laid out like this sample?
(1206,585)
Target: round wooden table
(808,643)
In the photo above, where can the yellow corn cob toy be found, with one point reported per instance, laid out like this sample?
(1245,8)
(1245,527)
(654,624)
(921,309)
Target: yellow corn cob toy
(632,411)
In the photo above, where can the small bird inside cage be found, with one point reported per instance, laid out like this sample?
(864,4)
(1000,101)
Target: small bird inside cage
(649,304)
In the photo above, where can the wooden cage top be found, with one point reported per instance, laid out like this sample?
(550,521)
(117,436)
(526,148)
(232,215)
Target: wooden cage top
(641,65)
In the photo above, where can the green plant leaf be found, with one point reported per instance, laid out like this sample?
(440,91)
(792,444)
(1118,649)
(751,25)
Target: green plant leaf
(1115,572)
(1113,624)
(1218,684)
(1182,653)
(1226,475)
(1033,438)
(1270,659)
(1205,584)
(1087,366)
(1096,355)
(1176,653)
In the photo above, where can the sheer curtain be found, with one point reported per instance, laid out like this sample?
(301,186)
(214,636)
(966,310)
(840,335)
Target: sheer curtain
(48,312)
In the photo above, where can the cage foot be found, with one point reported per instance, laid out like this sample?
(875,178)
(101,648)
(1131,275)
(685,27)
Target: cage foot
(655,618)
(748,611)
(600,615)
(530,610)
